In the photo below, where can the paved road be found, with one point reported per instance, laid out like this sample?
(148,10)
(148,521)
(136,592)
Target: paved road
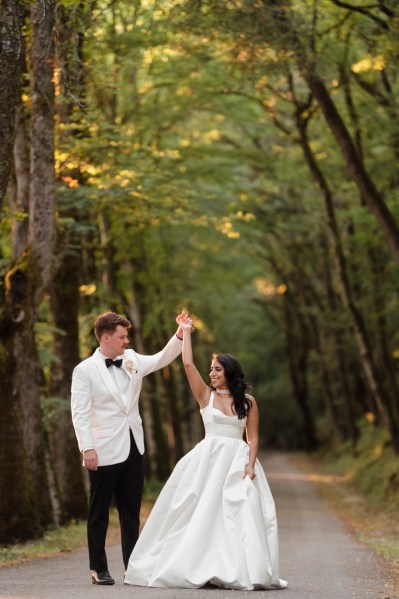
(319,558)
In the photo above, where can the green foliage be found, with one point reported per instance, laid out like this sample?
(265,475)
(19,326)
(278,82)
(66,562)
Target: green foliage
(152,488)
(371,467)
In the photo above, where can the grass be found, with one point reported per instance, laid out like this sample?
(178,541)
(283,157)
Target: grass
(66,538)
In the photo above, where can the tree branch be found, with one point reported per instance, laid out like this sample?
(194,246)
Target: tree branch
(364,10)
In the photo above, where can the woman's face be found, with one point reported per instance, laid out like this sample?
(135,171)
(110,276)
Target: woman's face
(218,379)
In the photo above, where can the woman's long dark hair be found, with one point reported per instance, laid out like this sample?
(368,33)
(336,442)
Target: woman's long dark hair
(236,383)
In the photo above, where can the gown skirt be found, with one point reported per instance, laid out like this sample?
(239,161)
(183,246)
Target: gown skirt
(209,524)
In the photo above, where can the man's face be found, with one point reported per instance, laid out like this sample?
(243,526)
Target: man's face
(114,344)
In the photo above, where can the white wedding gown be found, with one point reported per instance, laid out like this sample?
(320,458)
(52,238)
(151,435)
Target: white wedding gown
(210,524)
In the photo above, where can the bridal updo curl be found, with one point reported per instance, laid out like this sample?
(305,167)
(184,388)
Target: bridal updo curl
(236,383)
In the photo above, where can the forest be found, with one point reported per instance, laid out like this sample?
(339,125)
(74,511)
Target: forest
(235,158)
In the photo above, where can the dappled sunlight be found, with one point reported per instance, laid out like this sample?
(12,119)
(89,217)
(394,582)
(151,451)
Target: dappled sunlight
(88,289)
(312,477)
(266,287)
(245,216)
(72,183)
(369,63)
(226,227)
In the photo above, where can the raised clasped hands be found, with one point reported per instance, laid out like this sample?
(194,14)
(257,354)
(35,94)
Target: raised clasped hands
(185,322)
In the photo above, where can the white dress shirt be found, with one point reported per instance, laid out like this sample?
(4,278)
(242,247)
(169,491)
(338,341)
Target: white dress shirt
(121,379)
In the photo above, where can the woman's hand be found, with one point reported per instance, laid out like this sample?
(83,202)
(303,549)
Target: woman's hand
(249,471)
(185,322)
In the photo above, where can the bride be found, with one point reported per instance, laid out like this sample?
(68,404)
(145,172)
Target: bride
(214,522)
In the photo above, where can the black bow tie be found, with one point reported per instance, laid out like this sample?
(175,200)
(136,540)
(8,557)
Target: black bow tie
(109,362)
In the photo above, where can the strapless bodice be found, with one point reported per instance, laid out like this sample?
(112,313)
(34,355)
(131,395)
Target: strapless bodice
(218,424)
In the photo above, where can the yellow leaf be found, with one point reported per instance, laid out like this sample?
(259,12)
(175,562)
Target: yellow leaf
(369,63)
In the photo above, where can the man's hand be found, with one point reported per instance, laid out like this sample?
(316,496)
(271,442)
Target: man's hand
(90,459)
(184,321)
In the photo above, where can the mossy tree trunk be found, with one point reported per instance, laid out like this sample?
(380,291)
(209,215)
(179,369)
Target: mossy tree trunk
(18,189)
(19,514)
(20,182)
(26,284)
(11,21)
(68,473)
(40,234)
(66,458)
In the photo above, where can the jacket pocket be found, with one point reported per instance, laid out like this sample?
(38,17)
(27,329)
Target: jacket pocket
(99,432)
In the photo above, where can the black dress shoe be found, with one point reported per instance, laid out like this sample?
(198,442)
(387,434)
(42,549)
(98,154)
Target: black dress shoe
(101,577)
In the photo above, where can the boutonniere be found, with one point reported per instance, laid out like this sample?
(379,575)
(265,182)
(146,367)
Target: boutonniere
(129,366)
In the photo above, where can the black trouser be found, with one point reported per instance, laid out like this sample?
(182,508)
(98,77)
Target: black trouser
(125,481)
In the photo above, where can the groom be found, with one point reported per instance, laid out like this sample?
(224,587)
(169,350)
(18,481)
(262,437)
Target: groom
(105,415)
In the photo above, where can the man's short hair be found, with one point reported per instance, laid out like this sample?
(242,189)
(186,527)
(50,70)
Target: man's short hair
(107,323)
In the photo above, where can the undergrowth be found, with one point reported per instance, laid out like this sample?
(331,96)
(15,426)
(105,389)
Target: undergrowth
(371,467)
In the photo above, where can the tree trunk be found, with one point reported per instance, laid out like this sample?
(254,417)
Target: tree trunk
(26,283)
(340,368)
(108,263)
(66,458)
(326,386)
(30,381)
(193,426)
(11,21)
(364,347)
(40,236)
(297,357)
(20,370)
(156,444)
(41,214)
(354,164)
(385,360)
(169,384)
(19,514)
(159,459)
(19,199)
(64,295)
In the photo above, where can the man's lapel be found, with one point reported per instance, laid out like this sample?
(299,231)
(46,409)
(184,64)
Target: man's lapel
(107,377)
(129,365)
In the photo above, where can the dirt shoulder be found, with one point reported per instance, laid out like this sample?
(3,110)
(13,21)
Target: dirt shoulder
(375,528)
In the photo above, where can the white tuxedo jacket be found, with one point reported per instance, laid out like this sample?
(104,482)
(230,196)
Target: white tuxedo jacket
(100,416)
